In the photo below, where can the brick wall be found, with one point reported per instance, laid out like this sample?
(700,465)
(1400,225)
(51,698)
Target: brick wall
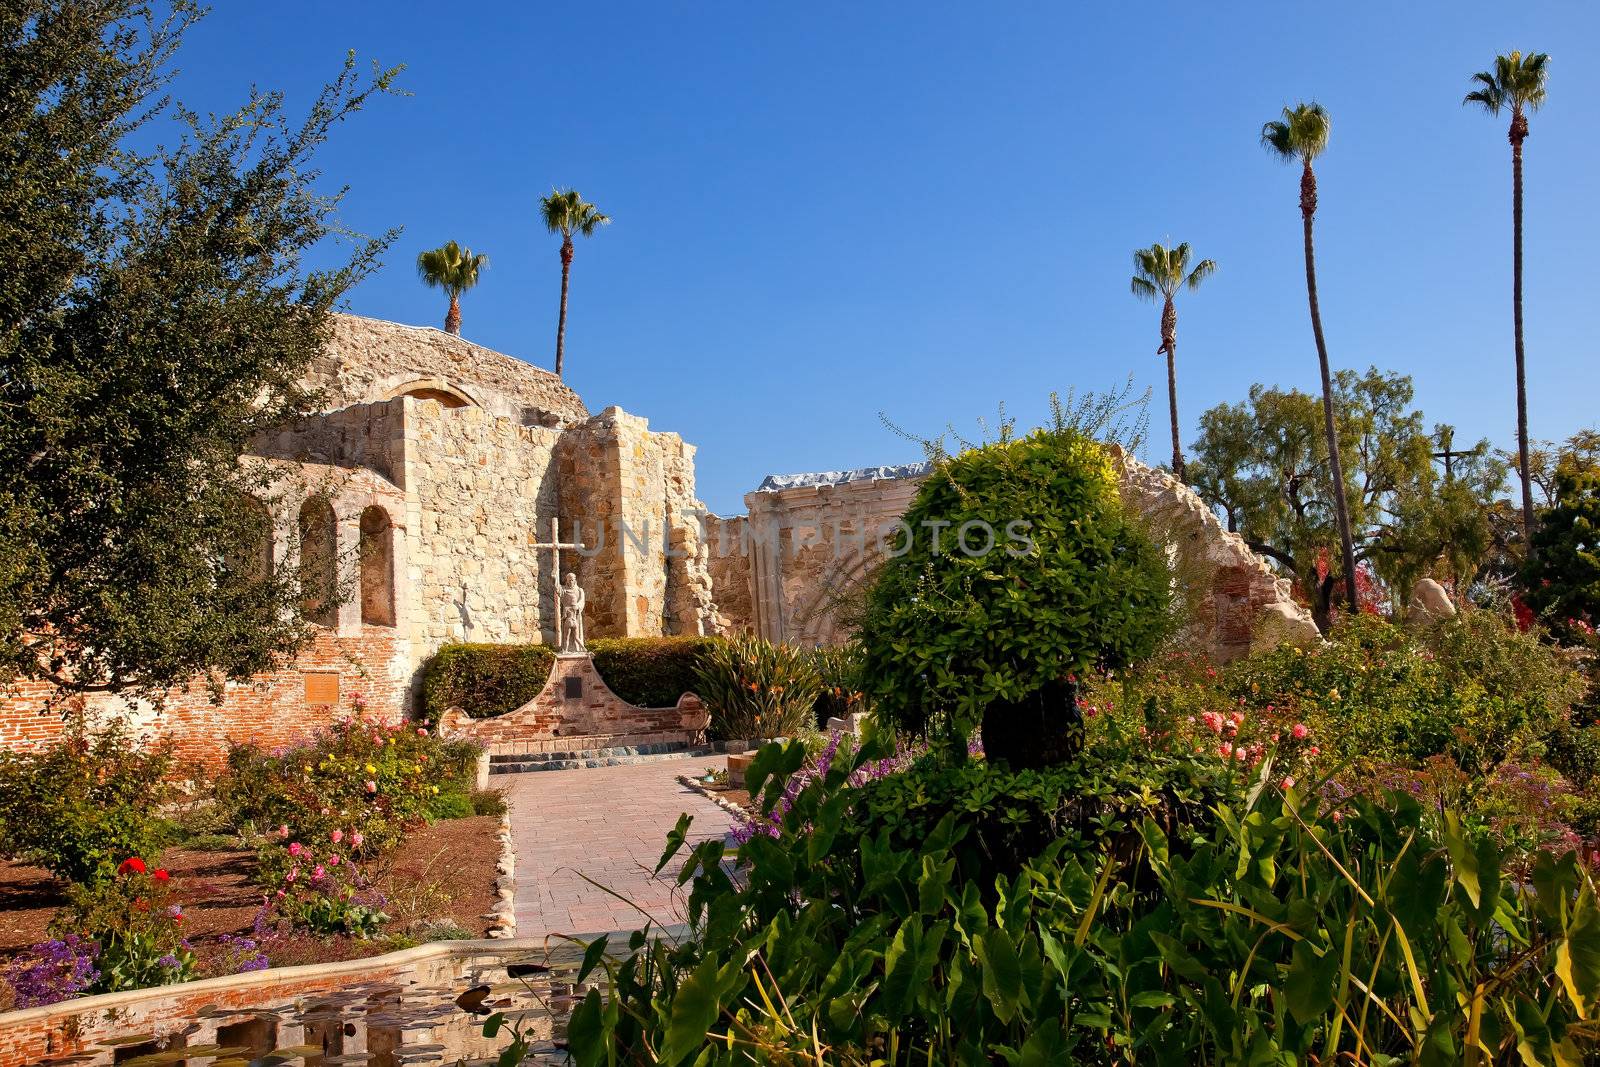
(270,710)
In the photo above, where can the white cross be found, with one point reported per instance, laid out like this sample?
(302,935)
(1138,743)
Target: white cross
(555,545)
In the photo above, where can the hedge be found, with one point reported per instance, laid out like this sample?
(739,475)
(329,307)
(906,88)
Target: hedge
(483,680)
(487,680)
(652,672)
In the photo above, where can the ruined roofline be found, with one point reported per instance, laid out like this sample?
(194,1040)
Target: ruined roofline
(777,483)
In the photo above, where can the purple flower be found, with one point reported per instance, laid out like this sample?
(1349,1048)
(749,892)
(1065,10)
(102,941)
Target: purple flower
(52,971)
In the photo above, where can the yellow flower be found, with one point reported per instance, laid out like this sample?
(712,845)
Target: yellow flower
(371,769)
(433,789)
(1333,694)
(308,768)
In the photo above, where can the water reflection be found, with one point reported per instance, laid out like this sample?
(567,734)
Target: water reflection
(411,1018)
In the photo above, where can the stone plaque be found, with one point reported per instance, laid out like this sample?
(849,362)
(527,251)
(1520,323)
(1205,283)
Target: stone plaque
(322,687)
(574,688)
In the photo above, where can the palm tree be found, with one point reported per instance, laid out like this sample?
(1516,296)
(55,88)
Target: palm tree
(1159,271)
(453,269)
(1302,134)
(1517,84)
(567,213)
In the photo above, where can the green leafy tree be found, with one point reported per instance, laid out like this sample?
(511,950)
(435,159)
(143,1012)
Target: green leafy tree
(155,318)
(1302,134)
(1562,575)
(1517,85)
(1264,464)
(1015,576)
(1158,273)
(567,213)
(453,269)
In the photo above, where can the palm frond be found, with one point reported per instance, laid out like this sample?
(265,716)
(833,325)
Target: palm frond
(567,213)
(1202,270)
(1142,288)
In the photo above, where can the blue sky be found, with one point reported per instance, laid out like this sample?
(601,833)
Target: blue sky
(824,211)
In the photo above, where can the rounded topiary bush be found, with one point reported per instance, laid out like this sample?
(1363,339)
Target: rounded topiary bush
(1016,574)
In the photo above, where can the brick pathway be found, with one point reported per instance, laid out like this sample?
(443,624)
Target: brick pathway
(611,824)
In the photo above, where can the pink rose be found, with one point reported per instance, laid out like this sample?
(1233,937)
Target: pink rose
(372,787)
(283,832)
(294,872)
(320,873)
(333,860)
(337,836)
(356,839)
(1300,731)
(422,731)
(1288,781)
(1225,750)
(295,848)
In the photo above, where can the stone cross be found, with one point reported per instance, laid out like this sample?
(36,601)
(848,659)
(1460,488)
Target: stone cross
(555,545)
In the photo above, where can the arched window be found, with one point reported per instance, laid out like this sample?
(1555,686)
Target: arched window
(250,555)
(448,395)
(319,575)
(377,567)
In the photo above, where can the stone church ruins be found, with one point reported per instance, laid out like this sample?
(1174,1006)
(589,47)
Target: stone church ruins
(430,483)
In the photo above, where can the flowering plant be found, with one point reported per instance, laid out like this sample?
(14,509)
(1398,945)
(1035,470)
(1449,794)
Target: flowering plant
(362,775)
(322,888)
(51,971)
(139,925)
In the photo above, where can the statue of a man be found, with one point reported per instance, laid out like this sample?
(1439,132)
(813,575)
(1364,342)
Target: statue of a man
(572,601)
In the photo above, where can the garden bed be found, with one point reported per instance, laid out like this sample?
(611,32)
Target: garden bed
(442,876)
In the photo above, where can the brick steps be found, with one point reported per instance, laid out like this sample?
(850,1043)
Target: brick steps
(580,758)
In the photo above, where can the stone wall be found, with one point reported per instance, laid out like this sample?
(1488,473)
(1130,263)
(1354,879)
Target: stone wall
(480,491)
(576,703)
(370,360)
(628,494)
(728,568)
(813,541)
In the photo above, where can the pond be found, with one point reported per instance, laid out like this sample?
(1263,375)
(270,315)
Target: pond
(395,1011)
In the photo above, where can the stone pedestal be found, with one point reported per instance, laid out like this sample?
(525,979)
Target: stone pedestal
(737,765)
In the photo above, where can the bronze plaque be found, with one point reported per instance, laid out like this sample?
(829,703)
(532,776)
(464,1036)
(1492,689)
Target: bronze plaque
(574,688)
(322,687)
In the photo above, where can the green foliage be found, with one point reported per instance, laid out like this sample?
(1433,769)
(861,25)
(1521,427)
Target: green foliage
(1302,133)
(318,886)
(839,671)
(451,268)
(1516,84)
(1264,463)
(1282,932)
(1475,689)
(1068,587)
(452,802)
(753,688)
(567,213)
(652,672)
(85,804)
(488,802)
(157,315)
(1562,577)
(135,917)
(356,777)
(1095,801)
(483,680)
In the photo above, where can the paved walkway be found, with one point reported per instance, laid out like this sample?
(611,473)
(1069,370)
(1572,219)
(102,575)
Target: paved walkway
(610,823)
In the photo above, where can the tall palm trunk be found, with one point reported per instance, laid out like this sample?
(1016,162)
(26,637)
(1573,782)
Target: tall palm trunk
(452,318)
(1308,208)
(561,322)
(1169,342)
(1519,131)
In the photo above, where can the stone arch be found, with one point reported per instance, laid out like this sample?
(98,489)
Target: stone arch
(377,567)
(319,573)
(255,551)
(447,394)
(817,620)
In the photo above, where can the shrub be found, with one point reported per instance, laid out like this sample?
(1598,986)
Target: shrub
(451,803)
(135,918)
(52,971)
(998,640)
(85,804)
(1286,931)
(1475,689)
(1096,801)
(652,672)
(839,670)
(1561,578)
(483,680)
(753,688)
(319,887)
(373,779)
(488,802)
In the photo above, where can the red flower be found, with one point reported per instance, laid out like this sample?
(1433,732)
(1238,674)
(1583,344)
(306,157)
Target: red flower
(132,864)
(161,874)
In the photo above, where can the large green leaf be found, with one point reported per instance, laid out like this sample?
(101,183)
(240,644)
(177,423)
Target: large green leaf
(1002,972)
